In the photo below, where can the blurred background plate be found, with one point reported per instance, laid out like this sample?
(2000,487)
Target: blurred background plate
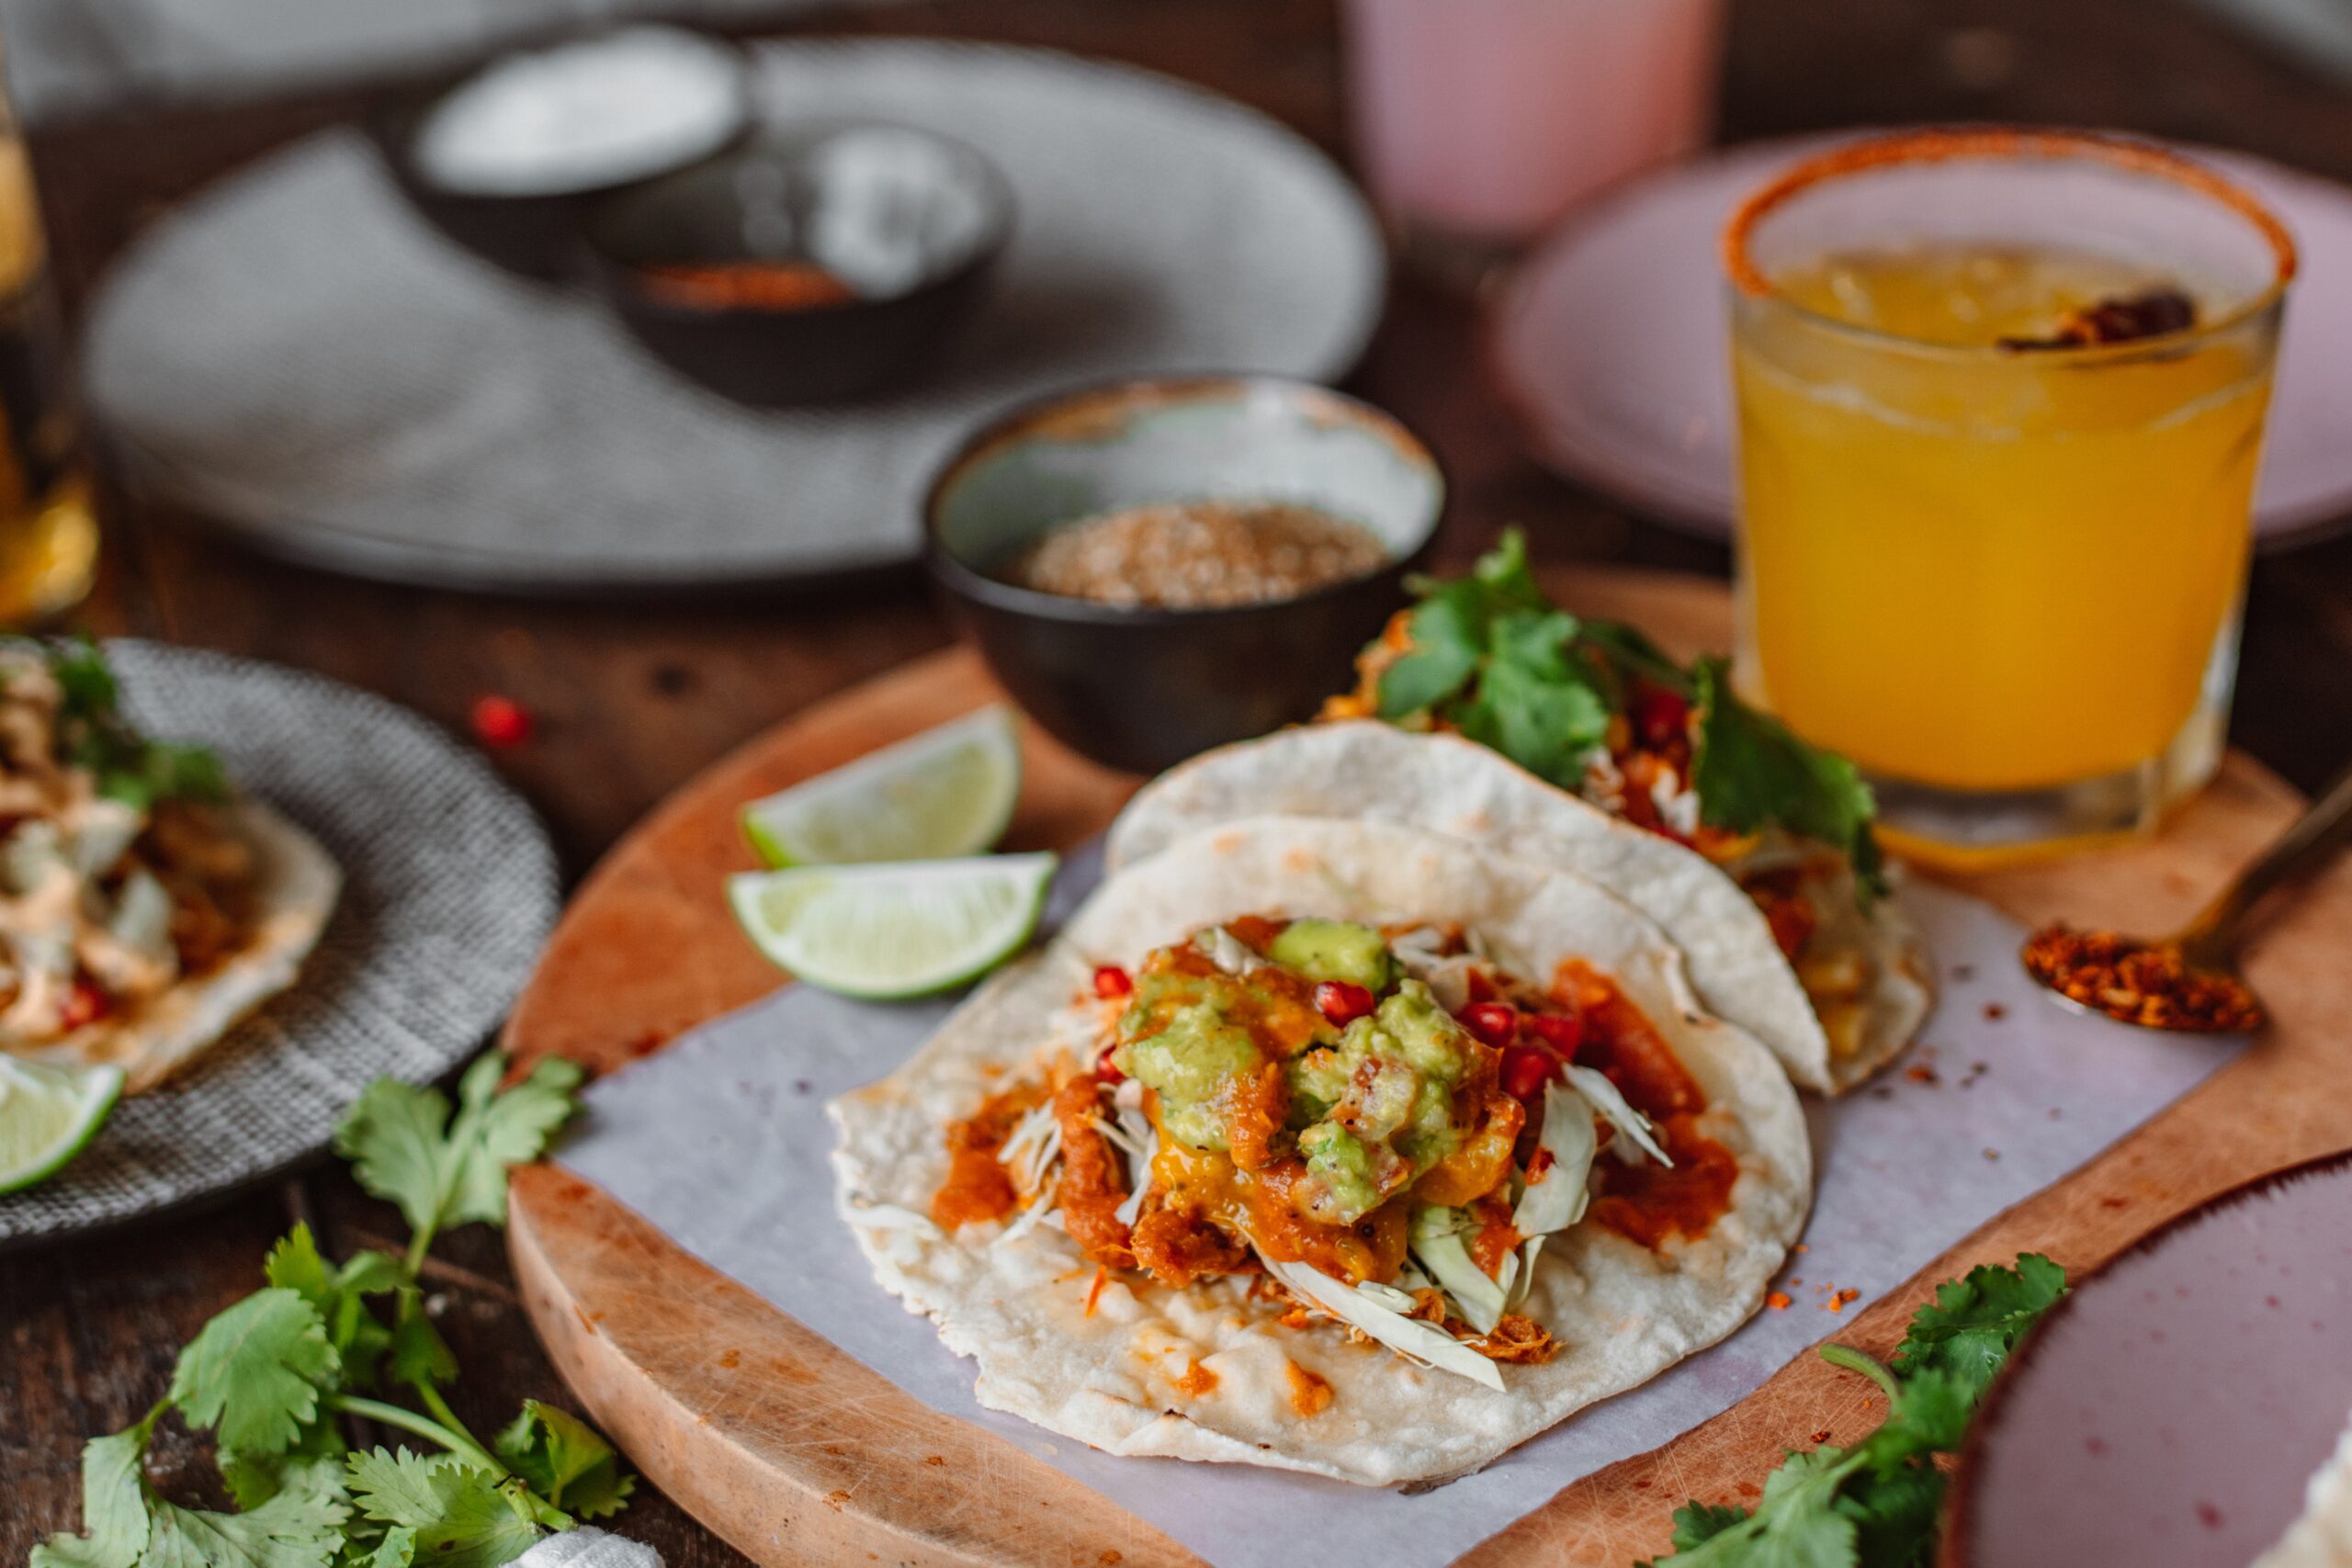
(1610,344)
(450,888)
(297,357)
(2169,1412)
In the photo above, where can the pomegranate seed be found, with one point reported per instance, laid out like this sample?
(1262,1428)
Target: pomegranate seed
(1660,717)
(1526,1069)
(501,721)
(1341,1002)
(1107,1071)
(84,1004)
(1111,982)
(1493,1022)
(1562,1032)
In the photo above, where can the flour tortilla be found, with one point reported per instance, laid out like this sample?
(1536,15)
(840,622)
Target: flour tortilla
(296,885)
(1361,770)
(1121,1379)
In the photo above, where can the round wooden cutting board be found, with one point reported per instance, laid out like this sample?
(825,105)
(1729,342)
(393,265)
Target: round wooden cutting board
(797,1454)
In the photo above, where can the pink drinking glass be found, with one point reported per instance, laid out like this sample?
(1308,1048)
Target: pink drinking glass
(1479,122)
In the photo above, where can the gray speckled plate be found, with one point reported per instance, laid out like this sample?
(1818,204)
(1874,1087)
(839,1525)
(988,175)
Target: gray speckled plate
(2169,1411)
(296,356)
(449,889)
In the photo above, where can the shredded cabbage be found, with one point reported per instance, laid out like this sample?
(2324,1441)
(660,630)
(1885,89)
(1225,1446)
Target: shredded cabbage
(1388,1296)
(141,921)
(1632,1123)
(1556,1200)
(1408,1337)
(1437,1243)
(1032,1148)
(1030,1218)
(1528,1251)
(1138,1127)
(1225,950)
(107,830)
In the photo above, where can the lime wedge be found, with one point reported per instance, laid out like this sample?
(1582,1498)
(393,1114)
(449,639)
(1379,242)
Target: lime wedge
(887,931)
(48,1114)
(945,793)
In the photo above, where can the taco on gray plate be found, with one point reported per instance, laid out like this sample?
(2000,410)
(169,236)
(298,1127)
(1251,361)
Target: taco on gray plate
(1603,726)
(145,907)
(1338,1147)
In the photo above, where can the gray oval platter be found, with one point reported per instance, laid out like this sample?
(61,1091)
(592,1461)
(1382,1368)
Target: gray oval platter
(298,359)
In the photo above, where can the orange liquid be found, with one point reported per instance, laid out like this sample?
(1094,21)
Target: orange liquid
(1987,570)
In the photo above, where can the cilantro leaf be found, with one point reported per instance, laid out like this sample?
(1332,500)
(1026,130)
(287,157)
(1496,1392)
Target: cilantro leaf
(1544,723)
(1928,1415)
(1875,1505)
(358,1337)
(1696,1523)
(566,1461)
(392,1136)
(114,1506)
(92,733)
(396,1549)
(1447,631)
(1973,1323)
(1894,1515)
(1753,773)
(299,1527)
(406,1147)
(1504,574)
(497,1130)
(1491,655)
(462,1517)
(419,1354)
(256,1372)
(1627,653)
(315,1463)
(1797,1524)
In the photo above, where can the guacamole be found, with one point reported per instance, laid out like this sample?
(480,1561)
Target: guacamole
(1368,1105)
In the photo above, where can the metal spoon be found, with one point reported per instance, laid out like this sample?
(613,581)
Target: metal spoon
(2203,953)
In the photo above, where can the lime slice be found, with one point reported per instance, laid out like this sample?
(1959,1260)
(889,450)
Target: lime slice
(887,931)
(945,793)
(48,1114)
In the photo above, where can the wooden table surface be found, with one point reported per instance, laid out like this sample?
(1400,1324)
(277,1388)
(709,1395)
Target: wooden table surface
(630,699)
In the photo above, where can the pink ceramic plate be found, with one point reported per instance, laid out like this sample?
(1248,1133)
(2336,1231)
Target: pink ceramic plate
(1610,344)
(2170,1411)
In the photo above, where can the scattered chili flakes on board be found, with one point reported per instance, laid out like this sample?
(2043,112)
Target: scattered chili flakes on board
(2150,986)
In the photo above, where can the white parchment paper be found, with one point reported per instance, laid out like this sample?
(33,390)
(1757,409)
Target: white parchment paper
(721,1140)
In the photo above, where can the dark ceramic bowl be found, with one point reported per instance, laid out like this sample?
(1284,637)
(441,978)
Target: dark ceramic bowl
(912,224)
(534,235)
(1141,689)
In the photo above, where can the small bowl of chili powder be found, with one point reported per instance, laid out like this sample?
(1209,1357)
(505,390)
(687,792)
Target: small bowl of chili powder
(811,262)
(1155,568)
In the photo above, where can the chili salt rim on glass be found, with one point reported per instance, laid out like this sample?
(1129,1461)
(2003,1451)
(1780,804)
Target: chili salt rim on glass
(1992,143)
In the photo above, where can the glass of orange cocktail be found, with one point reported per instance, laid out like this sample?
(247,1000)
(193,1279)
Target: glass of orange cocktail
(2001,398)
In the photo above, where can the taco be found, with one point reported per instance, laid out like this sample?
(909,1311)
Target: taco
(1597,710)
(144,906)
(1337,1147)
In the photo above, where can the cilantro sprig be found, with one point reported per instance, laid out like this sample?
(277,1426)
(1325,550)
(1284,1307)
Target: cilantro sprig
(1494,658)
(92,733)
(277,1377)
(1875,1505)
